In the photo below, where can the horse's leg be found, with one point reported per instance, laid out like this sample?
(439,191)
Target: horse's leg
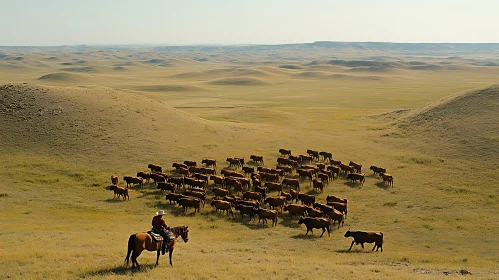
(170,253)
(157,257)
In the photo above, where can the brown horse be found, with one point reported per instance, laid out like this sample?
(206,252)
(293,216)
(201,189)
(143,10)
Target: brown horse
(143,241)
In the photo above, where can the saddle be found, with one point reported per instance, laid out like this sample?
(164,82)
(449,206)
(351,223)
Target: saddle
(156,237)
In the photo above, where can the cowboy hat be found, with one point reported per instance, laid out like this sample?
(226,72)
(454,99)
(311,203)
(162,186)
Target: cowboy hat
(160,213)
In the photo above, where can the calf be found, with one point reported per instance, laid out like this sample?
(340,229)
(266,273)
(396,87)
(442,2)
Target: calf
(337,216)
(118,191)
(294,209)
(246,210)
(267,214)
(387,178)
(361,237)
(222,206)
(319,223)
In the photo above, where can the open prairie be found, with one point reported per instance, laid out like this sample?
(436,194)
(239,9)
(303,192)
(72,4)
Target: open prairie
(70,117)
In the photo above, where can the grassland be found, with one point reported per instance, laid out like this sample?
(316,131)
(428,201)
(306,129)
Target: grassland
(70,117)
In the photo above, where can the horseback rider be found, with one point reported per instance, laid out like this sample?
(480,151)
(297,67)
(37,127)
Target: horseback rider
(159,225)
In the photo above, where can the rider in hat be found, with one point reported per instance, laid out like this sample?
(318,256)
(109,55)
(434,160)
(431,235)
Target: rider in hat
(159,225)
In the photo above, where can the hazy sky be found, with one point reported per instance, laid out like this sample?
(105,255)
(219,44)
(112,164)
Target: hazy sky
(69,22)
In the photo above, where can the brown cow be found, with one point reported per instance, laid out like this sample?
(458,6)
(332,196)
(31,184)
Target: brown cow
(284,161)
(354,177)
(257,159)
(357,166)
(326,155)
(335,162)
(177,165)
(294,194)
(248,170)
(306,199)
(200,196)
(292,183)
(285,152)
(346,168)
(179,181)
(207,171)
(233,162)
(314,213)
(190,163)
(118,191)
(267,214)
(173,197)
(222,206)
(318,185)
(218,180)
(306,159)
(337,216)
(294,209)
(154,168)
(377,170)
(252,195)
(134,180)
(209,162)
(285,169)
(314,154)
(387,178)
(342,207)
(270,177)
(256,182)
(319,223)
(220,192)
(324,177)
(305,173)
(288,196)
(262,190)
(166,187)
(326,209)
(332,198)
(203,177)
(145,175)
(190,202)
(334,170)
(183,171)
(361,237)
(158,177)
(273,202)
(246,210)
(252,203)
(245,182)
(114,180)
(273,186)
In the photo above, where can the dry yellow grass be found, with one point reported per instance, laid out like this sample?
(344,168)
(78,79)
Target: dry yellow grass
(62,139)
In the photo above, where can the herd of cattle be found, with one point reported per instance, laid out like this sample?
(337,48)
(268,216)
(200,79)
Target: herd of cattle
(245,188)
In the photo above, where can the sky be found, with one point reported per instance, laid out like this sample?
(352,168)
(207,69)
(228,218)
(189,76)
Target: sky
(190,22)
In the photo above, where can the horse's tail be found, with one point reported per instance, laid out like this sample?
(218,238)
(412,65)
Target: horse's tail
(131,245)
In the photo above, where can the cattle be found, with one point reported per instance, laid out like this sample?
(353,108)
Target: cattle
(377,170)
(337,216)
(166,187)
(335,170)
(335,162)
(234,162)
(118,191)
(183,171)
(354,177)
(302,173)
(199,190)
(346,168)
(271,186)
(320,166)
(256,182)
(154,168)
(233,182)
(193,169)
(324,177)
(133,180)
(387,178)
(285,152)
(209,162)
(262,190)
(276,171)
(326,209)
(305,159)
(203,177)
(200,196)
(314,213)
(318,185)
(220,192)
(207,171)
(361,237)
(285,169)
(267,214)
(217,180)
(284,161)
(248,170)
(292,183)
(270,177)
(288,196)
(357,166)
(252,203)
(158,177)
(145,175)
(246,210)
(257,159)
(329,173)
(294,209)
(294,194)
(326,155)
(252,195)
(319,223)
(295,158)
(229,173)
(245,182)
(177,165)
(179,181)
(273,202)
(306,199)
(114,180)
(342,207)
(222,206)
(332,198)
(314,154)
(173,197)
(190,202)
(190,163)
(229,199)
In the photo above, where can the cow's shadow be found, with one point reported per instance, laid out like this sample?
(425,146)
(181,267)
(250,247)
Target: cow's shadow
(353,251)
(353,185)
(382,185)
(115,200)
(310,236)
(290,222)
